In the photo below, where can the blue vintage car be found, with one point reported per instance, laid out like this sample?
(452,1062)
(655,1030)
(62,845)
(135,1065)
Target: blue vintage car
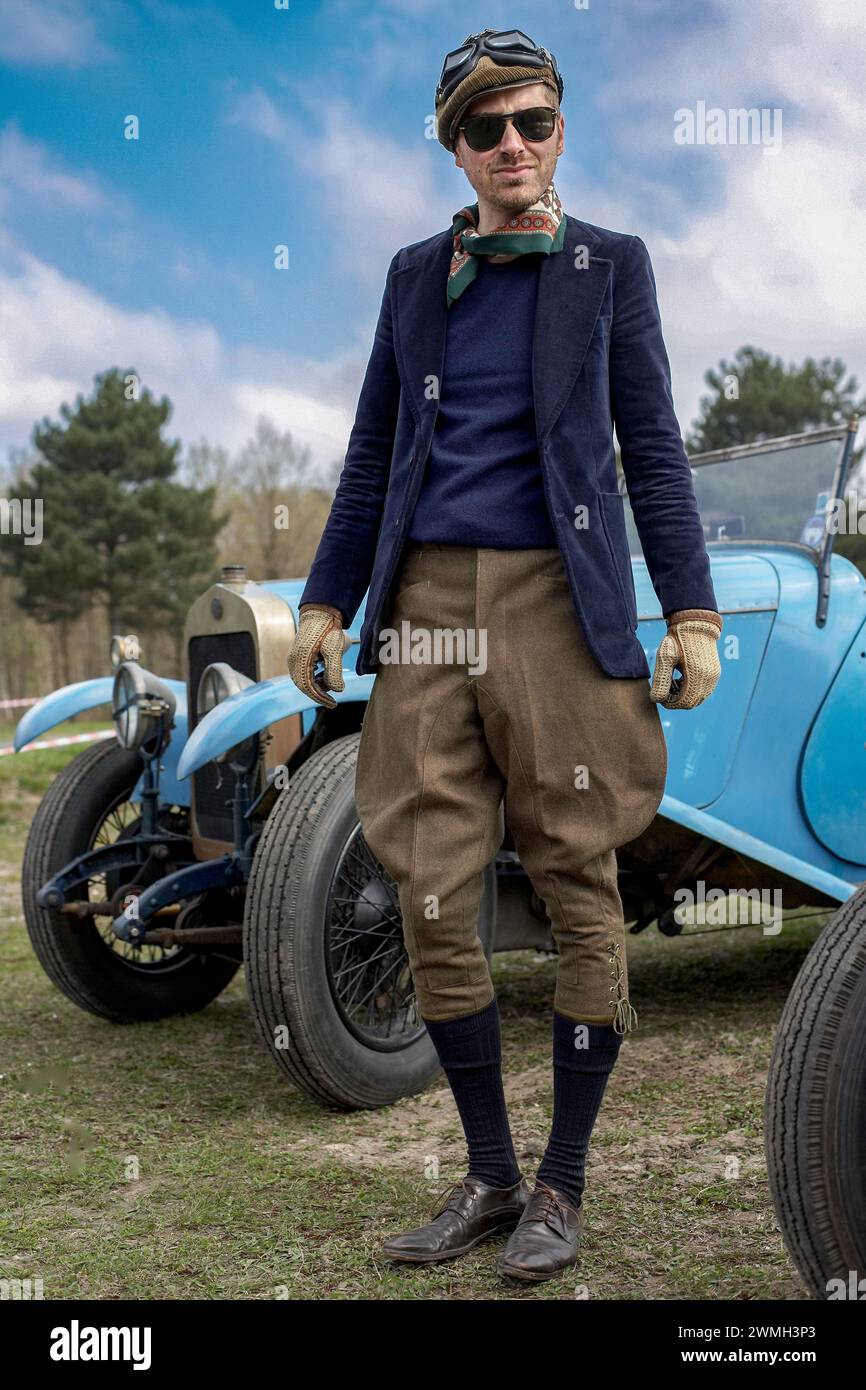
(221,826)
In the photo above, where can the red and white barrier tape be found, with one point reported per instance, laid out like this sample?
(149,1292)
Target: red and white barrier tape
(20,704)
(6,748)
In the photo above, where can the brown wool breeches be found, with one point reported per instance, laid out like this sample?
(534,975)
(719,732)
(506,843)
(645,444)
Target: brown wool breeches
(578,756)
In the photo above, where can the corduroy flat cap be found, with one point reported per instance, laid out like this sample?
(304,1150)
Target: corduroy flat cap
(485,76)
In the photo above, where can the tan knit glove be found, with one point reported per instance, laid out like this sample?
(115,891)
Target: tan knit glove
(320,635)
(691,644)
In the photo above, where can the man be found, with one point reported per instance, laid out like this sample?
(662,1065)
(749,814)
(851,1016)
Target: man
(479,497)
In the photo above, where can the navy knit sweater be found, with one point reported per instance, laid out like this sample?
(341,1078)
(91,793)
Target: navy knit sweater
(483,485)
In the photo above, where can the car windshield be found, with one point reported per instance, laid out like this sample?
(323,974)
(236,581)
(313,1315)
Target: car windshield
(776,490)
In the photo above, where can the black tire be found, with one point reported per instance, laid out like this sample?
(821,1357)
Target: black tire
(95,974)
(815,1108)
(293,945)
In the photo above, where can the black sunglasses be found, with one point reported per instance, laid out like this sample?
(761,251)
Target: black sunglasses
(484,132)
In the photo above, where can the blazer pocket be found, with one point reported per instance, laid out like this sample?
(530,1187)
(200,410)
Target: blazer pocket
(611,508)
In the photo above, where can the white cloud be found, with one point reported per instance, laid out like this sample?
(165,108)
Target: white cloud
(778,266)
(61,34)
(256,111)
(320,423)
(776,260)
(27,168)
(379,192)
(56,334)
(385,194)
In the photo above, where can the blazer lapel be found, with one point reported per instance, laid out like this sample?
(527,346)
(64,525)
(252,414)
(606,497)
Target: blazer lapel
(569,297)
(420,311)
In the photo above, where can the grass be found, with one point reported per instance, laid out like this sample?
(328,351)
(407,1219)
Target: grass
(172,1160)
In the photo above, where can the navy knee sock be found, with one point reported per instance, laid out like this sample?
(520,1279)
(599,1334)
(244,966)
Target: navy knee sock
(580,1075)
(470,1050)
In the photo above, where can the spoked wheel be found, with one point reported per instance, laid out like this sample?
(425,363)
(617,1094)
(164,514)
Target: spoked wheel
(365,956)
(88,805)
(123,822)
(815,1110)
(328,975)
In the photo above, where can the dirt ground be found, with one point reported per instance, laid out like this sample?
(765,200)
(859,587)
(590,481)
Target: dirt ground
(172,1160)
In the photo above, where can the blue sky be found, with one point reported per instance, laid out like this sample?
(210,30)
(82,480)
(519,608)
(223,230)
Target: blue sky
(309,126)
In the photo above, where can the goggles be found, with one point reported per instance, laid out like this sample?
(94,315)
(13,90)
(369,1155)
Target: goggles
(507,48)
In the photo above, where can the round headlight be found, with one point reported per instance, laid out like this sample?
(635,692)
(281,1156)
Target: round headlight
(124,707)
(142,708)
(218,681)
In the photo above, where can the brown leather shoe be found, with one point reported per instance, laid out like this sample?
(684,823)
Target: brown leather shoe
(468,1212)
(545,1241)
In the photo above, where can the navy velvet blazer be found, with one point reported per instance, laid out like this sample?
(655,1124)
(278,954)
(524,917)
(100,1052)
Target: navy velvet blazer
(598,360)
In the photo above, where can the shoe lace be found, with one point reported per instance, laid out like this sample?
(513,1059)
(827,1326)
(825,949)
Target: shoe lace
(552,1201)
(447,1198)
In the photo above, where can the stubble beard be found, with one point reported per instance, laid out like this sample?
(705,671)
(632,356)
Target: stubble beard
(517,197)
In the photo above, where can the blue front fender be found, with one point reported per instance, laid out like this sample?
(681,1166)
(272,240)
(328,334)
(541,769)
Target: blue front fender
(59,706)
(253,709)
(62,704)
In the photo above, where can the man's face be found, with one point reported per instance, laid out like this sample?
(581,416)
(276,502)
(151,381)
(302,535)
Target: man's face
(515,172)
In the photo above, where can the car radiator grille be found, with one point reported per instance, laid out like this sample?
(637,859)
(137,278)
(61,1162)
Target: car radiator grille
(212,813)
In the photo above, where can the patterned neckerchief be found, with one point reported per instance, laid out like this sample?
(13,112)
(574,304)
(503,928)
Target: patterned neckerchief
(540,227)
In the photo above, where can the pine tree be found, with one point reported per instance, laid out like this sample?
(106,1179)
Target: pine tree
(757,397)
(119,531)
